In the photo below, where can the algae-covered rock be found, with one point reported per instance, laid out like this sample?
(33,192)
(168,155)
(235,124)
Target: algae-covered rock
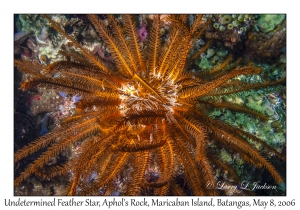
(205,64)
(268,22)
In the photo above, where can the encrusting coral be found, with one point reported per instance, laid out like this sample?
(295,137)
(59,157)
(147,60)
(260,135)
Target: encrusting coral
(143,119)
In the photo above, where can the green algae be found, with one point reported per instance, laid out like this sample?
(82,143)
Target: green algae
(267,23)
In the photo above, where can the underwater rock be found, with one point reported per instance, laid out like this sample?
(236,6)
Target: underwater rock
(261,46)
